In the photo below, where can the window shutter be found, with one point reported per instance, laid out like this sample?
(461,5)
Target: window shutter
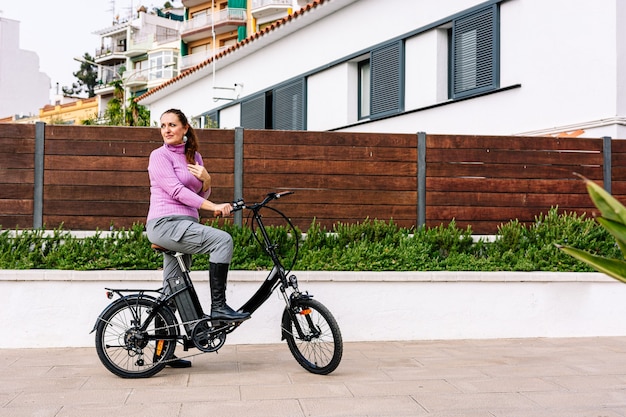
(474,53)
(289,106)
(387,80)
(253,112)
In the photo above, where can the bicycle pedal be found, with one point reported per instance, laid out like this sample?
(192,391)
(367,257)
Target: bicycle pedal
(224,322)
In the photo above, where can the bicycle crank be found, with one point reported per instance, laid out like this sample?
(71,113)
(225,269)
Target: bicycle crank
(206,337)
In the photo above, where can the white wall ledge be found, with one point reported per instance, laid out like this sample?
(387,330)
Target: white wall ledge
(58,308)
(311,276)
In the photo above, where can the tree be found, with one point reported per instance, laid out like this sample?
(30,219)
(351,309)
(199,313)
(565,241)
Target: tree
(116,115)
(87,79)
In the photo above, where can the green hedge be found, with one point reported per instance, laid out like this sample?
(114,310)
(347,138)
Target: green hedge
(372,245)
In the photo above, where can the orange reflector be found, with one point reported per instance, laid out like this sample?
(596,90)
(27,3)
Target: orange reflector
(159,347)
(305,311)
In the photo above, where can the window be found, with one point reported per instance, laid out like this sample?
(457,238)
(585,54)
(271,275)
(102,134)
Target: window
(474,53)
(140,66)
(281,108)
(364,89)
(162,65)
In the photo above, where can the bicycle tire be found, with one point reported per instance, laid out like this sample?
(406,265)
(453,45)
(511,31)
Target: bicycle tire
(123,354)
(320,347)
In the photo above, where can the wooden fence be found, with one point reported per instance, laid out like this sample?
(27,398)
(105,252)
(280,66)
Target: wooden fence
(95,177)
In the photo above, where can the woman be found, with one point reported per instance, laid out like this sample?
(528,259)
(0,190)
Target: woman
(179,187)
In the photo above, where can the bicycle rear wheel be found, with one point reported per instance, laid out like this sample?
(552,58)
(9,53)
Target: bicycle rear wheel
(126,350)
(313,336)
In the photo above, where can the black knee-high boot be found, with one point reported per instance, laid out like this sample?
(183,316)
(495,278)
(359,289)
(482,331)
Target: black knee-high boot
(218,274)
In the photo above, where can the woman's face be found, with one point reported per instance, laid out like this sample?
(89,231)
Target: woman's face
(172,129)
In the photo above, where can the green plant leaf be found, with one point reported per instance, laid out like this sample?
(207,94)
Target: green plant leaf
(618,230)
(606,203)
(612,267)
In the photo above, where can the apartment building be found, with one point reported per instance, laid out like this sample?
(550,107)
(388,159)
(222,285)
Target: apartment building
(141,51)
(525,67)
(155,45)
(212,27)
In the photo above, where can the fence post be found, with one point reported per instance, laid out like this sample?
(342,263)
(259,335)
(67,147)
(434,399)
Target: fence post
(421,179)
(606,164)
(238,174)
(38,183)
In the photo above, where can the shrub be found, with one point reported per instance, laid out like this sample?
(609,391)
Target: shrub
(370,245)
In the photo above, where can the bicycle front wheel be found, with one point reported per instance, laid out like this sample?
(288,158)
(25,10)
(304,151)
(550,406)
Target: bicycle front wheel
(128,351)
(313,336)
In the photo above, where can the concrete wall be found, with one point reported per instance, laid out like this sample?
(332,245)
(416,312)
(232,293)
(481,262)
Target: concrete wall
(45,308)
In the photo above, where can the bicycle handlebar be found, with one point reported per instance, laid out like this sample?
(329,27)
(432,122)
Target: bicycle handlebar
(240,204)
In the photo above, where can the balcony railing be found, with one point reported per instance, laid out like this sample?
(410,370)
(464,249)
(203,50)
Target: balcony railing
(257,4)
(108,50)
(204,20)
(191,60)
(262,9)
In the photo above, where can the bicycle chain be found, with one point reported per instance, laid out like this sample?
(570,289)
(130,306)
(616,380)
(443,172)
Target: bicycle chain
(192,322)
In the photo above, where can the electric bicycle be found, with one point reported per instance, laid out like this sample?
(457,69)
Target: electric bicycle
(136,335)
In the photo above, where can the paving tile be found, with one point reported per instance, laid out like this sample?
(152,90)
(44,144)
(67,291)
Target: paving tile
(19,382)
(377,389)
(62,397)
(273,408)
(295,391)
(165,378)
(559,412)
(456,402)
(590,382)
(135,410)
(506,385)
(183,395)
(580,400)
(38,411)
(362,406)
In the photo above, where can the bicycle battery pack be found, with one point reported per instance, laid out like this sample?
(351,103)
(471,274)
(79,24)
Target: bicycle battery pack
(187,301)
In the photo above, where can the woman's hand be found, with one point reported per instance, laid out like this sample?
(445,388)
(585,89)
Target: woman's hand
(223,209)
(200,173)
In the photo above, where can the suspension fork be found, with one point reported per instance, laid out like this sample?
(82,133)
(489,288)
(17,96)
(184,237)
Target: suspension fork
(291,316)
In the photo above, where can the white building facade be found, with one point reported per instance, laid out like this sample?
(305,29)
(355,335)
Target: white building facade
(19,98)
(496,67)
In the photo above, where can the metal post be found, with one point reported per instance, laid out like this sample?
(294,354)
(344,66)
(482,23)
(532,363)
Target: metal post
(38,186)
(606,166)
(238,177)
(421,179)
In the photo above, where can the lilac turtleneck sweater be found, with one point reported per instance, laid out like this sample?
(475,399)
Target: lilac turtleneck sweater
(174,191)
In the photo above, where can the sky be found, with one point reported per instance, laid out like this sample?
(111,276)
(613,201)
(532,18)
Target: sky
(60,30)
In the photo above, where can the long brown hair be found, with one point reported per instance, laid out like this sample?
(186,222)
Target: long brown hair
(191,146)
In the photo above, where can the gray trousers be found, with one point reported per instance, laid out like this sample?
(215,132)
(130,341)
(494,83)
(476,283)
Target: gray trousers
(185,234)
